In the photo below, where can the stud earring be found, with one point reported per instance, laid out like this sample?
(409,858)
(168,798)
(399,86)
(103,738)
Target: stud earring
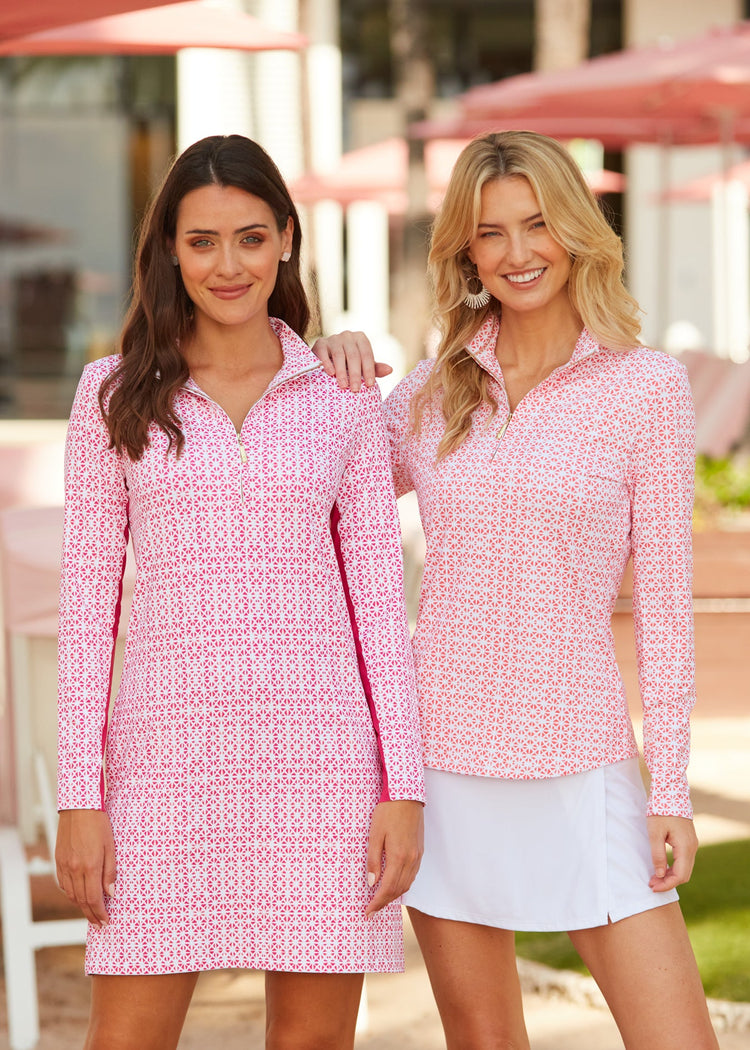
(286,256)
(175,260)
(476,300)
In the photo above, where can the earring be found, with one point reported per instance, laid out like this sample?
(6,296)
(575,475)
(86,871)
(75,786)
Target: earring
(476,300)
(175,260)
(286,256)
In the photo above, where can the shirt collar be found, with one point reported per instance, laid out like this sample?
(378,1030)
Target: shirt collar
(482,347)
(298,357)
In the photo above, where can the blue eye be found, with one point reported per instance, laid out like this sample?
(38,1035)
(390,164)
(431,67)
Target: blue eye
(540,225)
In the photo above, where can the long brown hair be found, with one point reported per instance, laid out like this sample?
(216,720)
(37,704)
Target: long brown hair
(142,388)
(573,217)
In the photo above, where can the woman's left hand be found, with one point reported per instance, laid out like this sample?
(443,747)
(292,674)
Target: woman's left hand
(679,833)
(396,831)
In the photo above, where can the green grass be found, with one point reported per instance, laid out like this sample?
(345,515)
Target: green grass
(716,906)
(722,487)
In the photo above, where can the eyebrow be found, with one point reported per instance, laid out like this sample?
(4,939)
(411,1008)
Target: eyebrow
(242,229)
(494,225)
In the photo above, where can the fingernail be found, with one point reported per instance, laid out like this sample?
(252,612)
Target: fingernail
(371,878)
(111,889)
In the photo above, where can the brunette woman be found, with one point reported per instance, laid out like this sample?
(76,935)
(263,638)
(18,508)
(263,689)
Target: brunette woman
(260,803)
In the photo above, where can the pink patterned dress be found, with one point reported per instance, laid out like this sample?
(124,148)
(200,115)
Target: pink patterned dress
(246,750)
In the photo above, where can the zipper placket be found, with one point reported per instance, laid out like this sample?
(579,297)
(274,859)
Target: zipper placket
(511,411)
(195,390)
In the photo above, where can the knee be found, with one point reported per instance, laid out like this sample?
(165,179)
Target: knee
(489,1041)
(492,1036)
(284,1036)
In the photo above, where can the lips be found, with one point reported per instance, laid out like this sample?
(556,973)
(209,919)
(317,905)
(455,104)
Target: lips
(234,291)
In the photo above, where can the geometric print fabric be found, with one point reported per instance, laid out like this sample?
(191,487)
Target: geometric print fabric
(528,532)
(243,762)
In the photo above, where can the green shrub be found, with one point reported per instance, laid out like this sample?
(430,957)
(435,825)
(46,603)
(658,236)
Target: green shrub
(722,488)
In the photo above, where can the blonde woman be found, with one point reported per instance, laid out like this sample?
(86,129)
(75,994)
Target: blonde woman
(546,446)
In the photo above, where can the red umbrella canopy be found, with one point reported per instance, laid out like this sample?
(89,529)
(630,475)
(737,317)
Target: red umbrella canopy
(379,172)
(613,132)
(156,31)
(21,19)
(704,80)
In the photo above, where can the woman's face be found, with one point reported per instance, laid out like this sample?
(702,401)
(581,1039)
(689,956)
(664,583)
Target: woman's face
(516,257)
(229,248)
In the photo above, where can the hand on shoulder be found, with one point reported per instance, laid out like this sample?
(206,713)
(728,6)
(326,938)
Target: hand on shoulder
(349,357)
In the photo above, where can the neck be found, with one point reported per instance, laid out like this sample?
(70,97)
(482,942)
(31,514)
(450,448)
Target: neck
(538,341)
(233,349)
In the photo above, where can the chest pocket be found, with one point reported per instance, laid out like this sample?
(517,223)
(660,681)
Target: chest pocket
(602,481)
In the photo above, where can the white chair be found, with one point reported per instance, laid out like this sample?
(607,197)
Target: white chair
(21,935)
(30,545)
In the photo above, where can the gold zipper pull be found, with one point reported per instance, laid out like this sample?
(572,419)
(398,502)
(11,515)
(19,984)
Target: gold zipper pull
(243,453)
(500,433)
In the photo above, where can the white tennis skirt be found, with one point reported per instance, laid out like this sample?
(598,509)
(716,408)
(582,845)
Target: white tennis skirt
(566,853)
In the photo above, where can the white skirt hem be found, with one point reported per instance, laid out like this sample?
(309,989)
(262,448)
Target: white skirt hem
(566,853)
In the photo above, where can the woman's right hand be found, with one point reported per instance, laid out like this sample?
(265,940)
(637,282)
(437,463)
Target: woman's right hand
(349,357)
(85,859)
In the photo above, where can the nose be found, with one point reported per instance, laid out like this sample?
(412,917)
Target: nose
(519,250)
(229,261)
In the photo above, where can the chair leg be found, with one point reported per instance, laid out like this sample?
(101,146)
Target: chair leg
(18,948)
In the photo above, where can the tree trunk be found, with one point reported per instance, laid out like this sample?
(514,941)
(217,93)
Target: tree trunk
(561,33)
(415,79)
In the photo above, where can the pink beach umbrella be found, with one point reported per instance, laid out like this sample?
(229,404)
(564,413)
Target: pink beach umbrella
(159,30)
(704,80)
(21,19)
(379,172)
(614,133)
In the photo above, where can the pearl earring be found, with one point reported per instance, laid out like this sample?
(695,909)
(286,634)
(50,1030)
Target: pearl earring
(286,256)
(175,260)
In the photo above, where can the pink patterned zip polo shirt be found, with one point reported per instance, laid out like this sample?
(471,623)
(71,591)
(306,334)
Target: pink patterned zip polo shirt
(529,526)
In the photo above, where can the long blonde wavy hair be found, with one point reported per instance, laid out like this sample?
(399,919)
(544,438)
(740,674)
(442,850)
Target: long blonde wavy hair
(572,216)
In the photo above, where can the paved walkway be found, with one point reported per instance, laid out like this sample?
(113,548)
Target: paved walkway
(227,1010)
(227,1013)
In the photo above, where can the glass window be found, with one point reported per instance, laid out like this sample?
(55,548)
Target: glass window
(82,143)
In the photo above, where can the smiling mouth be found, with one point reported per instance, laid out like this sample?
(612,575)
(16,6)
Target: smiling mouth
(230,291)
(524,278)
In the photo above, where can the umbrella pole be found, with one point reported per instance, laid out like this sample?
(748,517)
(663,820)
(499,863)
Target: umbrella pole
(731,255)
(664,242)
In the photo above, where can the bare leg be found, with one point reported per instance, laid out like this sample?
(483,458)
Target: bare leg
(474,978)
(646,969)
(138,1013)
(311,1011)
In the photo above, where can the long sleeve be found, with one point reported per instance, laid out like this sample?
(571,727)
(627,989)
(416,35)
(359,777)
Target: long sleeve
(94,549)
(370,557)
(662,470)
(397,412)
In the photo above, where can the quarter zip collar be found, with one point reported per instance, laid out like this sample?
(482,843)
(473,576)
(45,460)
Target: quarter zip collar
(298,360)
(298,357)
(483,349)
